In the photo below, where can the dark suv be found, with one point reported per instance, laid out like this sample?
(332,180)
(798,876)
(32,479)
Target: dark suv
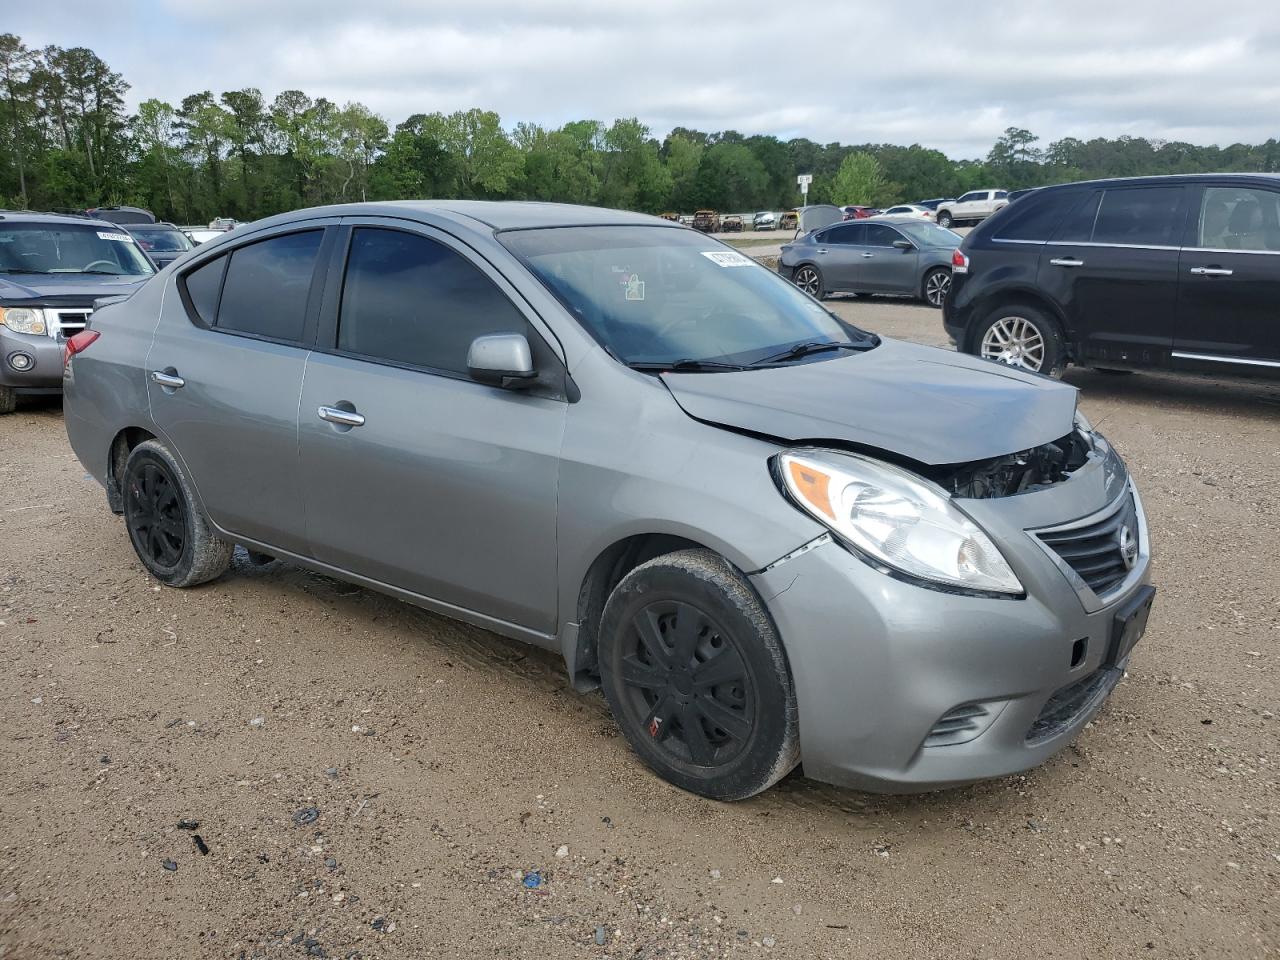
(52,269)
(1179,273)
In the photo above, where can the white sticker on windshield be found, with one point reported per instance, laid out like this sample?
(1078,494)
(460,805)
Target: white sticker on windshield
(727,258)
(634,287)
(107,235)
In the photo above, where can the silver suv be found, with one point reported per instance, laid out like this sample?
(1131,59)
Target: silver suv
(770,536)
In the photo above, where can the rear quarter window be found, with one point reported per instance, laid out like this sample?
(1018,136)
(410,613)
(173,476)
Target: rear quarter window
(202,286)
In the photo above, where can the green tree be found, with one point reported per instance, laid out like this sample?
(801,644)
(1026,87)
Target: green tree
(859,181)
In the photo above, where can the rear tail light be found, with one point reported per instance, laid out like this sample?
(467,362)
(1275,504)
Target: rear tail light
(78,343)
(959,262)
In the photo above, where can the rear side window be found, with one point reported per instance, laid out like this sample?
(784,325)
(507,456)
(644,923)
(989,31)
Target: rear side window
(848,234)
(203,285)
(1138,215)
(266,288)
(411,300)
(1239,218)
(1036,218)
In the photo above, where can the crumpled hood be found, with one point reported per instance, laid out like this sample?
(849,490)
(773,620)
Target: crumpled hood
(63,289)
(930,405)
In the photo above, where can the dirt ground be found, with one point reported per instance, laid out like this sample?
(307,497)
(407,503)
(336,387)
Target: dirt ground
(371,780)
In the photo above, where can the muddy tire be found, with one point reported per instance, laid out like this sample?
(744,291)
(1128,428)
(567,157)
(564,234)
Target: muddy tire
(166,526)
(8,400)
(695,674)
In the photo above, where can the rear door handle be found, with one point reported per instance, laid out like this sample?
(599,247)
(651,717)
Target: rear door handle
(867,256)
(170,380)
(822,249)
(1211,271)
(344,418)
(1067,262)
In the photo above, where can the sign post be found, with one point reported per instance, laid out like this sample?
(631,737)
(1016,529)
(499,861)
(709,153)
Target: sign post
(804,180)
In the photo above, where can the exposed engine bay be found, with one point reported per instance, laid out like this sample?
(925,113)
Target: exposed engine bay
(1016,473)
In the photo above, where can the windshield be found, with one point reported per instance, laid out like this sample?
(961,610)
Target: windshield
(161,239)
(929,234)
(70,248)
(665,296)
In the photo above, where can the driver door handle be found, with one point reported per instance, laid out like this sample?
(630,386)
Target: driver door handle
(345,418)
(1210,271)
(822,249)
(867,256)
(1067,262)
(170,380)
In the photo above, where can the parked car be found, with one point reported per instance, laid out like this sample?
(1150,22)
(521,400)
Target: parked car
(934,203)
(732,223)
(1177,272)
(224,224)
(765,220)
(858,213)
(908,211)
(199,235)
(971,207)
(1019,194)
(52,269)
(163,242)
(904,257)
(670,215)
(789,220)
(899,564)
(708,221)
(121,215)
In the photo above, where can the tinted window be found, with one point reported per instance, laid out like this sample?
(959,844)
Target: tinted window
(203,285)
(1138,215)
(265,293)
(974,195)
(1078,226)
(1239,218)
(412,300)
(1035,218)
(1001,194)
(878,235)
(851,233)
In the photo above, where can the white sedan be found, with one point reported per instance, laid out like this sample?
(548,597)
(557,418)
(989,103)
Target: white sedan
(909,211)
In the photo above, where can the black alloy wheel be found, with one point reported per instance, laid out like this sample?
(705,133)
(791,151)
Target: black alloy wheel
(155,512)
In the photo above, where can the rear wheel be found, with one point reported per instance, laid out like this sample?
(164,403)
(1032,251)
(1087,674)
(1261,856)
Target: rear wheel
(1022,336)
(695,674)
(937,283)
(166,526)
(8,400)
(809,279)
(944,218)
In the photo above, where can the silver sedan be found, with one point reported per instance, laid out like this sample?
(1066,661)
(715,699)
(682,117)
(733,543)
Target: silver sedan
(905,258)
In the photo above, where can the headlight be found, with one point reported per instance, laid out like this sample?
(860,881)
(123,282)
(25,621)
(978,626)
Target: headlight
(23,320)
(896,520)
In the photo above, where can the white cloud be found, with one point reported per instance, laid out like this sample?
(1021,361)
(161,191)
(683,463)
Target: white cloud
(942,74)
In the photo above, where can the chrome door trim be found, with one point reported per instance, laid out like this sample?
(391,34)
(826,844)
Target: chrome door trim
(1067,262)
(1211,271)
(1245,360)
(1263,253)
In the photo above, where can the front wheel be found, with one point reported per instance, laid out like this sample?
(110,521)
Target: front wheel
(1025,337)
(936,286)
(166,526)
(695,675)
(809,279)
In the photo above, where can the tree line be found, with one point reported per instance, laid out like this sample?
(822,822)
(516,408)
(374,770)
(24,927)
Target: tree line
(67,142)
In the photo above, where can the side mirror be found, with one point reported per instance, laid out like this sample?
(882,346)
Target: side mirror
(904,245)
(501,360)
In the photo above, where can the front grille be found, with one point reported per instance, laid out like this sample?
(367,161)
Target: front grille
(1068,703)
(1093,551)
(67,323)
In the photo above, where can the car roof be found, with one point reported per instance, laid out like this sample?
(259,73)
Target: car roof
(472,214)
(1171,178)
(30,216)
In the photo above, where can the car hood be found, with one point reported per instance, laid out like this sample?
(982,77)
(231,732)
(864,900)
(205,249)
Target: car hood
(63,289)
(926,404)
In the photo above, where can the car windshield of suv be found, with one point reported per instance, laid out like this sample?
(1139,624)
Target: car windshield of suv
(664,297)
(161,239)
(70,248)
(929,234)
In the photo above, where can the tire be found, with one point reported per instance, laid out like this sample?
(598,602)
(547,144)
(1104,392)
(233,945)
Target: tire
(1034,332)
(686,644)
(935,286)
(809,279)
(8,400)
(166,526)
(944,218)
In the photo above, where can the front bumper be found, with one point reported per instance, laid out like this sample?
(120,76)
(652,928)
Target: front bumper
(879,663)
(45,372)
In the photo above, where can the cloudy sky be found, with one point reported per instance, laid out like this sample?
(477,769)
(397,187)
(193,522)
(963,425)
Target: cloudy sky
(950,75)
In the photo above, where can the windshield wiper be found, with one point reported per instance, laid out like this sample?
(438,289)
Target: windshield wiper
(104,273)
(806,348)
(685,366)
(22,270)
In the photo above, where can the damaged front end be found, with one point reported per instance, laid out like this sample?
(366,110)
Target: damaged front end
(1021,472)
